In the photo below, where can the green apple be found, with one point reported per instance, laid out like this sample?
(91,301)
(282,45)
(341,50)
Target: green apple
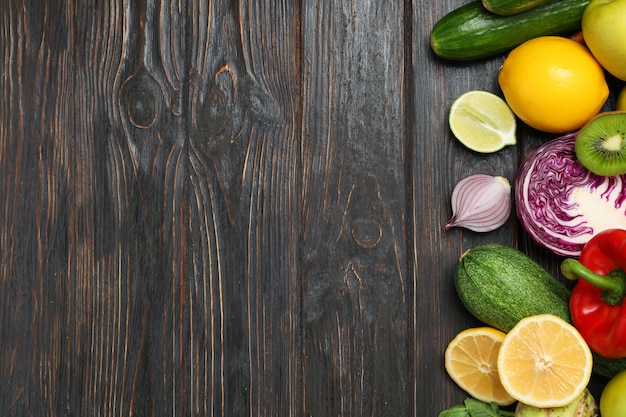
(612,399)
(604,32)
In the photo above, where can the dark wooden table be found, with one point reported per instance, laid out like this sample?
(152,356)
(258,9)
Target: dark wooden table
(222,208)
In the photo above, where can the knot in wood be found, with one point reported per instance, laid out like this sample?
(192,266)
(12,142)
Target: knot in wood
(142,99)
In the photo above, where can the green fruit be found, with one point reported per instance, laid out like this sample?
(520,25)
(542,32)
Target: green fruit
(601,144)
(613,397)
(604,29)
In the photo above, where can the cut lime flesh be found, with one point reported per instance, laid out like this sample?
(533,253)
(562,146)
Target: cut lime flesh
(482,121)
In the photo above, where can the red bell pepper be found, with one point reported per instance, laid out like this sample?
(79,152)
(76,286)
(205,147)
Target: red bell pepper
(596,302)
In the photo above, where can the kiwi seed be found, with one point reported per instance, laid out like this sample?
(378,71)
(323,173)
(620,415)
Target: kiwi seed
(601,144)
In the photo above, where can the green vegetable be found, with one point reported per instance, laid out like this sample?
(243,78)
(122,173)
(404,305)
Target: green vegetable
(471,407)
(501,285)
(455,411)
(472,32)
(584,406)
(511,7)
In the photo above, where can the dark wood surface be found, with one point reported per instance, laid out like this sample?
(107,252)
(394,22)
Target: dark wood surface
(222,208)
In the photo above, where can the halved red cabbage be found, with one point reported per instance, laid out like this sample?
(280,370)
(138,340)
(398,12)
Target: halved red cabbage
(561,204)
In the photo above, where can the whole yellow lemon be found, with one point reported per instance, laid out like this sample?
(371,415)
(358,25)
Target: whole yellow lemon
(553,84)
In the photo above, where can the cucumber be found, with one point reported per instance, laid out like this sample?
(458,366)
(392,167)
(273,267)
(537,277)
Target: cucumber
(511,7)
(473,32)
(500,285)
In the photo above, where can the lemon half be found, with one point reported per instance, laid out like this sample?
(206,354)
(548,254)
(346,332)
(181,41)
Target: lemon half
(471,361)
(544,362)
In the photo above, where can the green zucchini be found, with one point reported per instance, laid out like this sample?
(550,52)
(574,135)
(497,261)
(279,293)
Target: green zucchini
(501,285)
(473,32)
(511,7)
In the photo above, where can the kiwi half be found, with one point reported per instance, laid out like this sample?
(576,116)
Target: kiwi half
(601,144)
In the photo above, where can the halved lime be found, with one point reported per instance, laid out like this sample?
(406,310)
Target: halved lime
(482,121)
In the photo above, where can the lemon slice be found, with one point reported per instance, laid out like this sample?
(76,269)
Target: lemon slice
(471,361)
(482,121)
(544,362)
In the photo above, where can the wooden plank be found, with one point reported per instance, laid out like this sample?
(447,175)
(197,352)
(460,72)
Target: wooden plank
(354,247)
(150,234)
(440,161)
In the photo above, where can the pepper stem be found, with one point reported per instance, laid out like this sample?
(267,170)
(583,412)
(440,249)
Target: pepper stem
(613,285)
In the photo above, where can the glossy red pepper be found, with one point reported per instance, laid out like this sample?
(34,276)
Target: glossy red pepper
(597,302)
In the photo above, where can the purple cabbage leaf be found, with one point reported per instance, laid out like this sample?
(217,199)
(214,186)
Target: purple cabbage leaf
(561,204)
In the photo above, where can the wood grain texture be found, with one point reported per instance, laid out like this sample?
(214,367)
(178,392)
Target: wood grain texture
(354,270)
(440,162)
(150,237)
(231,208)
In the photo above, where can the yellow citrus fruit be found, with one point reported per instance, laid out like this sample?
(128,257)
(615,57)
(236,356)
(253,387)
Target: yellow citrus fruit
(544,362)
(482,121)
(553,84)
(470,360)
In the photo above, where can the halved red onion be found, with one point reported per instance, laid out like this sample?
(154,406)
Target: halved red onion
(481,203)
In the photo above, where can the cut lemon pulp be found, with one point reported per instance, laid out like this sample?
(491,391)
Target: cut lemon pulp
(471,359)
(544,362)
(482,121)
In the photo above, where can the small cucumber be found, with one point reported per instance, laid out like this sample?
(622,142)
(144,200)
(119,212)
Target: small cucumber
(473,32)
(501,285)
(511,7)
